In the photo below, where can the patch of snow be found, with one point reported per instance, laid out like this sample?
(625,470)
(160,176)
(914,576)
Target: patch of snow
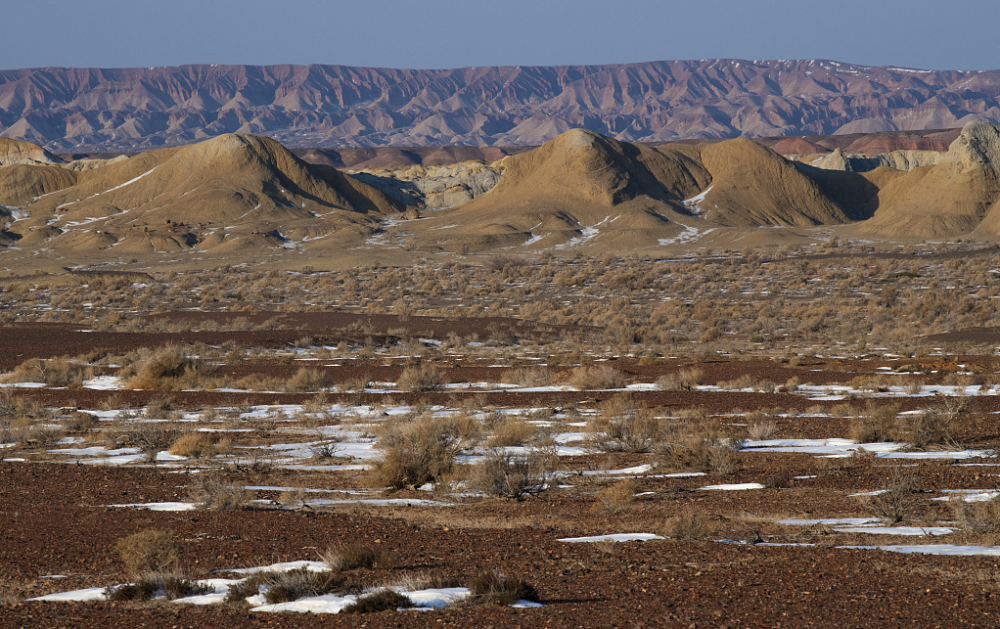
(734,486)
(613,537)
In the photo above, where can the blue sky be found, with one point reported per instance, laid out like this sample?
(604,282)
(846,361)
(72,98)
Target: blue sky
(956,35)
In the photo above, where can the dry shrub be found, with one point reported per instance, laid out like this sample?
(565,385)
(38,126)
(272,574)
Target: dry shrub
(596,378)
(148,551)
(495,588)
(977,518)
(761,427)
(148,585)
(193,445)
(354,556)
(619,497)
(701,447)
(510,432)
(899,497)
(927,429)
(306,379)
(140,591)
(286,586)
(422,377)
(624,426)
(80,421)
(54,372)
(502,474)
(357,383)
(149,437)
(170,368)
(213,492)
(689,526)
(683,380)
(378,601)
(527,376)
(415,452)
(875,423)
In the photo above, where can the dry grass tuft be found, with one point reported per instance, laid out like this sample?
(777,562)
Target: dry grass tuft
(618,498)
(420,378)
(354,556)
(148,551)
(495,588)
(213,492)
(689,526)
(596,378)
(379,601)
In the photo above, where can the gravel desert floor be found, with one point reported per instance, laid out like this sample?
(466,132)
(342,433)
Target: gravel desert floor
(166,462)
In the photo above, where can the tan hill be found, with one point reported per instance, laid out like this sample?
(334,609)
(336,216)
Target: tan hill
(15,152)
(580,187)
(20,184)
(230,192)
(945,199)
(754,186)
(133,109)
(585,189)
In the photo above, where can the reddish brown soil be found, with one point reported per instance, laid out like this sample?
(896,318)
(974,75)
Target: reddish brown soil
(51,522)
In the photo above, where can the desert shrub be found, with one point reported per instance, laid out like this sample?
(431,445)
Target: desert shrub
(378,601)
(193,445)
(501,261)
(596,378)
(139,591)
(926,429)
(415,452)
(689,526)
(977,518)
(510,431)
(306,379)
(422,377)
(527,376)
(874,424)
(624,426)
(495,588)
(899,497)
(170,368)
(354,556)
(286,586)
(148,585)
(683,380)
(502,474)
(701,447)
(617,498)
(148,551)
(54,372)
(761,427)
(213,492)
(149,437)
(357,383)
(81,421)
(323,450)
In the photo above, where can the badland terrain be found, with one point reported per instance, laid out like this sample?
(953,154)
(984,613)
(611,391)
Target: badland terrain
(712,382)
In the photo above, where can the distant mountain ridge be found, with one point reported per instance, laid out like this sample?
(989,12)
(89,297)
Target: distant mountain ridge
(69,110)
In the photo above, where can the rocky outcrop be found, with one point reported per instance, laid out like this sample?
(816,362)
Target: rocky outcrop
(900,160)
(135,109)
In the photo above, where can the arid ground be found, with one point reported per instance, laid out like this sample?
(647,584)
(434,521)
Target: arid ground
(794,438)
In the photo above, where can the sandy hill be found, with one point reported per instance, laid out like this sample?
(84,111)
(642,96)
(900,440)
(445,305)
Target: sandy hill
(946,199)
(15,152)
(232,191)
(579,187)
(20,184)
(586,189)
(129,109)
(752,185)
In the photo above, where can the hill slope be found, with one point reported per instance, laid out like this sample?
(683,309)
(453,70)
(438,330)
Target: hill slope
(232,191)
(131,109)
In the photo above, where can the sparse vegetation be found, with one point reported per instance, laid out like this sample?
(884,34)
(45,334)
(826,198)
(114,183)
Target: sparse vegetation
(496,588)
